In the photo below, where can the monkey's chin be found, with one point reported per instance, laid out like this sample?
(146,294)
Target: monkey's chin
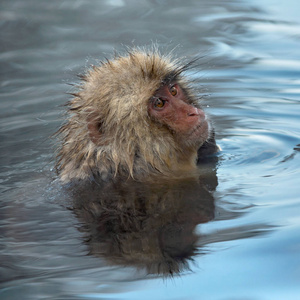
(199,134)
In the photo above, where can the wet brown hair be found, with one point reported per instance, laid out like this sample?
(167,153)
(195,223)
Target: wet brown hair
(108,130)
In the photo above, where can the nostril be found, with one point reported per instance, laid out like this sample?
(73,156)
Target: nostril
(194,112)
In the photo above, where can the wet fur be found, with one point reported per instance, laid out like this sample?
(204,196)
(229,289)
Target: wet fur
(115,96)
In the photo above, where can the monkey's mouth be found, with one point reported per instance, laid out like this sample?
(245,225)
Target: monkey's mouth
(200,131)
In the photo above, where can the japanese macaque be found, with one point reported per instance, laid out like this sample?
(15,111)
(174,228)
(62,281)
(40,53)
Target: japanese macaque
(134,116)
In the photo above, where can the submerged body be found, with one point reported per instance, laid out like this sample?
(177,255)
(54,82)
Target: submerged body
(136,116)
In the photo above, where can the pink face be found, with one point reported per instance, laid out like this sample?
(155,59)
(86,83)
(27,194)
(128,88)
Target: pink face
(170,106)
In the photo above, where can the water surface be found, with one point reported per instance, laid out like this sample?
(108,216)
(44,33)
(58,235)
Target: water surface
(239,241)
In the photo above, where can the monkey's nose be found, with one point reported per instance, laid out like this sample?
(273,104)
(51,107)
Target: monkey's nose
(194,112)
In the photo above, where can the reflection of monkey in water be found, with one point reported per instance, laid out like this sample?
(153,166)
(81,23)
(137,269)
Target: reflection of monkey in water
(145,225)
(136,116)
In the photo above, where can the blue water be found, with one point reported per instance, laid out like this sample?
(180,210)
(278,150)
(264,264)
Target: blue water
(250,79)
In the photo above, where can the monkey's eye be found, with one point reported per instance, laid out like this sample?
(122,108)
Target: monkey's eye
(173,90)
(159,103)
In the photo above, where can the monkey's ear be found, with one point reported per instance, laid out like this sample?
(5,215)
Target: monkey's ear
(94,128)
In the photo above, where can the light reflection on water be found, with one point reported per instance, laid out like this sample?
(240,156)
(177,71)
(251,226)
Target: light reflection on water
(250,79)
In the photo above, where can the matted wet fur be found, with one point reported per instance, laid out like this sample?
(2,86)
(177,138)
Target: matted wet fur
(125,140)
